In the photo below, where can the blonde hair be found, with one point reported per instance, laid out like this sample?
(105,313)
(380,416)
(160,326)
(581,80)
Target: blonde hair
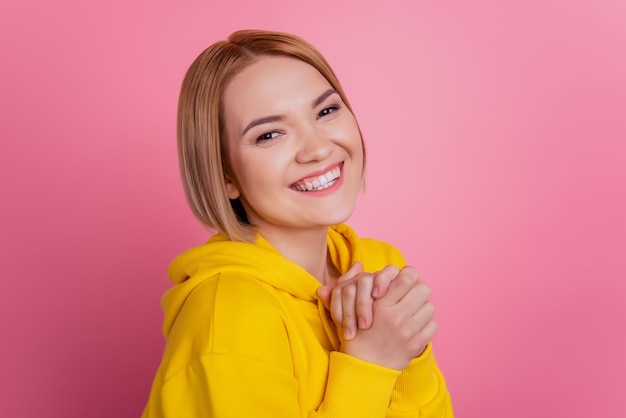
(202,151)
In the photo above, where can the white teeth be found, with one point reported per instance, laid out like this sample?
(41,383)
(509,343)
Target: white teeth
(319,183)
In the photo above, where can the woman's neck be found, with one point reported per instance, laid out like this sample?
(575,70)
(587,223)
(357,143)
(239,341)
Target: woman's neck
(307,248)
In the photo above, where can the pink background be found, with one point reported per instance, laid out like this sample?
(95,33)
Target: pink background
(497,162)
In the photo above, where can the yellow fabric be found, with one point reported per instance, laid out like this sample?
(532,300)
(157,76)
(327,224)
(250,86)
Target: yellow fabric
(247,336)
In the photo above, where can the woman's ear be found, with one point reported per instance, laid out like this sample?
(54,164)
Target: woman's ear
(232,190)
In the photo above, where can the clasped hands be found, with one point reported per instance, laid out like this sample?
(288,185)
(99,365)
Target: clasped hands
(383,317)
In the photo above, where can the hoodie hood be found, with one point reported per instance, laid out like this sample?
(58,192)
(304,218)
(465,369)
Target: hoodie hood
(260,260)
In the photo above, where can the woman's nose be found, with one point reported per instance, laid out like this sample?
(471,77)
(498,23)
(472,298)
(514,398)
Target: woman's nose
(313,146)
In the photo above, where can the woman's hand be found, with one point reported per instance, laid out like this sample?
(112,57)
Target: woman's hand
(351,301)
(402,324)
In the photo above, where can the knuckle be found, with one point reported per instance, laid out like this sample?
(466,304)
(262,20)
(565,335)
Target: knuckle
(363,304)
(429,308)
(405,279)
(407,334)
(411,271)
(429,331)
(394,323)
(366,281)
(429,334)
(349,291)
(391,270)
(409,276)
(418,345)
(348,316)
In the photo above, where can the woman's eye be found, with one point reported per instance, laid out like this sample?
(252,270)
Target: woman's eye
(267,136)
(328,110)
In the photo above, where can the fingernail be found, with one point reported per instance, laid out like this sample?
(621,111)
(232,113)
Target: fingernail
(348,334)
(362,324)
(375,291)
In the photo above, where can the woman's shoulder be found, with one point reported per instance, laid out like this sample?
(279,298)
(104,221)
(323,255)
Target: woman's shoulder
(228,316)
(231,312)
(232,293)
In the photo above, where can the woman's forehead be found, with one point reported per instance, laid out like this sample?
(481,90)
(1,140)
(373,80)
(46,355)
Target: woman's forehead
(270,75)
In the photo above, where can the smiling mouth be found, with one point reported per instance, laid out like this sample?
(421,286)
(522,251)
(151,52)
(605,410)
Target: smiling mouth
(321,182)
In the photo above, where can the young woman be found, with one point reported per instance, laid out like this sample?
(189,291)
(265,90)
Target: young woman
(285,312)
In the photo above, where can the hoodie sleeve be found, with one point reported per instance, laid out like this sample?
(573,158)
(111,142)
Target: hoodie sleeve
(233,386)
(420,390)
(228,385)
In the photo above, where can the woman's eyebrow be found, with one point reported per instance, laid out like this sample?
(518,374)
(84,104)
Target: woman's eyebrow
(261,121)
(323,97)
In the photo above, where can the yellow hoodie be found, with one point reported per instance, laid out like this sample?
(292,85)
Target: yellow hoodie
(247,336)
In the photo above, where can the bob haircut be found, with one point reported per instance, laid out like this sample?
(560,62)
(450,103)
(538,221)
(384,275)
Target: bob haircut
(202,148)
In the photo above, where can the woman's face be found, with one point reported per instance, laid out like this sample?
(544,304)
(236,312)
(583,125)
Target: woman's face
(294,148)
